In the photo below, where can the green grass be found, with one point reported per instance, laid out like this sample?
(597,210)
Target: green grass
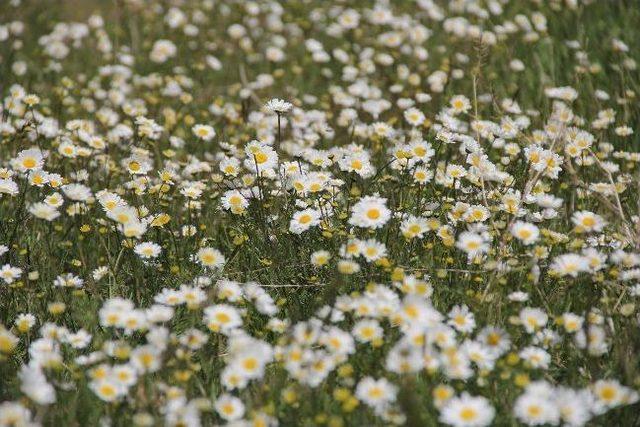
(258,245)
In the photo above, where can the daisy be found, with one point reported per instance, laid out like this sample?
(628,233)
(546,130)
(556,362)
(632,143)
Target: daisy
(476,213)
(77,192)
(203,132)
(14,414)
(320,258)
(414,227)
(228,290)
(38,178)
(455,171)
(229,407)
(526,232)
(338,341)
(230,166)
(78,340)
(146,358)
(569,265)
(278,106)
(594,340)
(536,357)
(8,186)
(536,409)
(372,250)
(346,266)
(572,322)
(574,406)
(210,257)
(303,220)
(376,393)
(34,384)
(467,411)
(8,341)
(44,211)
(68,149)
(24,322)
(462,319)
(28,160)
(460,104)
(125,375)
(367,331)
(234,201)
(479,354)
(421,150)
(381,129)
(495,339)
(624,131)
(232,378)
(587,221)
(533,319)
(162,50)
(250,365)
(147,250)
(108,390)
(137,165)
(222,318)
(414,117)
(609,393)
(110,201)
(472,243)
(370,212)
(422,175)
(10,274)
(357,162)
(441,394)
(193,338)
(135,229)
(260,157)
(54,200)
(68,280)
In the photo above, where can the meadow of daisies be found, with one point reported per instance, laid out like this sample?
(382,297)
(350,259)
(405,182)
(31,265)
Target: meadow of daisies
(319,213)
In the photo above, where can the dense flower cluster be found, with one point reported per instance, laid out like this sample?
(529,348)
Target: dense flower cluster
(318,213)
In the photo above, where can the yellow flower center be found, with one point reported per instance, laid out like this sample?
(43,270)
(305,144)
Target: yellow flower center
(304,219)
(524,233)
(261,157)
(588,221)
(223,317)
(29,163)
(208,258)
(107,390)
(473,245)
(373,213)
(367,332)
(250,364)
(534,411)
(607,393)
(375,393)
(468,414)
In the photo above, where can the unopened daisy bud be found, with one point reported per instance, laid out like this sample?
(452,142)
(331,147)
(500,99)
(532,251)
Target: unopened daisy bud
(8,341)
(627,309)
(56,308)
